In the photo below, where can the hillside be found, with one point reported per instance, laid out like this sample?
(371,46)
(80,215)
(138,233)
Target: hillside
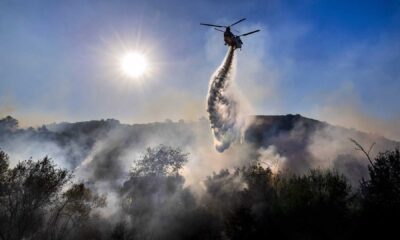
(109,146)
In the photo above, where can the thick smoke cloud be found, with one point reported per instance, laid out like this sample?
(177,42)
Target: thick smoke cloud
(222,105)
(102,153)
(297,144)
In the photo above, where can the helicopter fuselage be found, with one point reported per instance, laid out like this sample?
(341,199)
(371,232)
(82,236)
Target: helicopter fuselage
(232,40)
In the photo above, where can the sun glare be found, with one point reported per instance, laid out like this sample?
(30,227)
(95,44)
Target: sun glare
(134,64)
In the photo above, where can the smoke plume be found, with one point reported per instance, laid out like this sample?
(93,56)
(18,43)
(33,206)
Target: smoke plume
(222,105)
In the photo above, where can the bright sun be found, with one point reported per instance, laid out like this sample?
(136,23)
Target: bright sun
(134,64)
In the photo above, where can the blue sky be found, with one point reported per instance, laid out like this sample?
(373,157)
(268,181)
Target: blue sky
(338,61)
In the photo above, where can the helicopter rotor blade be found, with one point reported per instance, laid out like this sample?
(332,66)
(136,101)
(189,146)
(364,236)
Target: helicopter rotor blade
(218,29)
(211,25)
(249,33)
(241,20)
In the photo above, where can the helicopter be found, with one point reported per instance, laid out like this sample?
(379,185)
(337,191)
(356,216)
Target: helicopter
(231,39)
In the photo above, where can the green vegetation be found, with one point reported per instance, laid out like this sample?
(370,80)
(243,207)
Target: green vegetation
(40,201)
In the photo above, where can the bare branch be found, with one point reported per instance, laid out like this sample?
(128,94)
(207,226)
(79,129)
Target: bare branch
(360,148)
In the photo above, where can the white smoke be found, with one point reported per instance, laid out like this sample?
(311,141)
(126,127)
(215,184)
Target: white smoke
(270,158)
(222,105)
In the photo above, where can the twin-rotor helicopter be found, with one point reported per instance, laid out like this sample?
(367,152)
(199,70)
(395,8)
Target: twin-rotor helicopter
(231,39)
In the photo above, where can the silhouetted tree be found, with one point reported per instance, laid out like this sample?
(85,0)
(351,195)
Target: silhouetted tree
(158,204)
(240,199)
(27,191)
(33,204)
(160,161)
(8,124)
(120,232)
(381,196)
(40,201)
(72,211)
(255,204)
(3,169)
(314,206)
(383,187)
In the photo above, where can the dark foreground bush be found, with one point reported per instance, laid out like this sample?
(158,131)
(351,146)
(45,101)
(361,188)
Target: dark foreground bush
(33,205)
(380,210)
(39,201)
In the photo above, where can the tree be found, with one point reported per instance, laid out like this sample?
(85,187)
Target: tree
(158,204)
(155,188)
(120,232)
(383,187)
(8,124)
(241,201)
(381,196)
(34,203)
(3,168)
(26,193)
(72,211)
(253,203)
(314,206)
(160,161)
